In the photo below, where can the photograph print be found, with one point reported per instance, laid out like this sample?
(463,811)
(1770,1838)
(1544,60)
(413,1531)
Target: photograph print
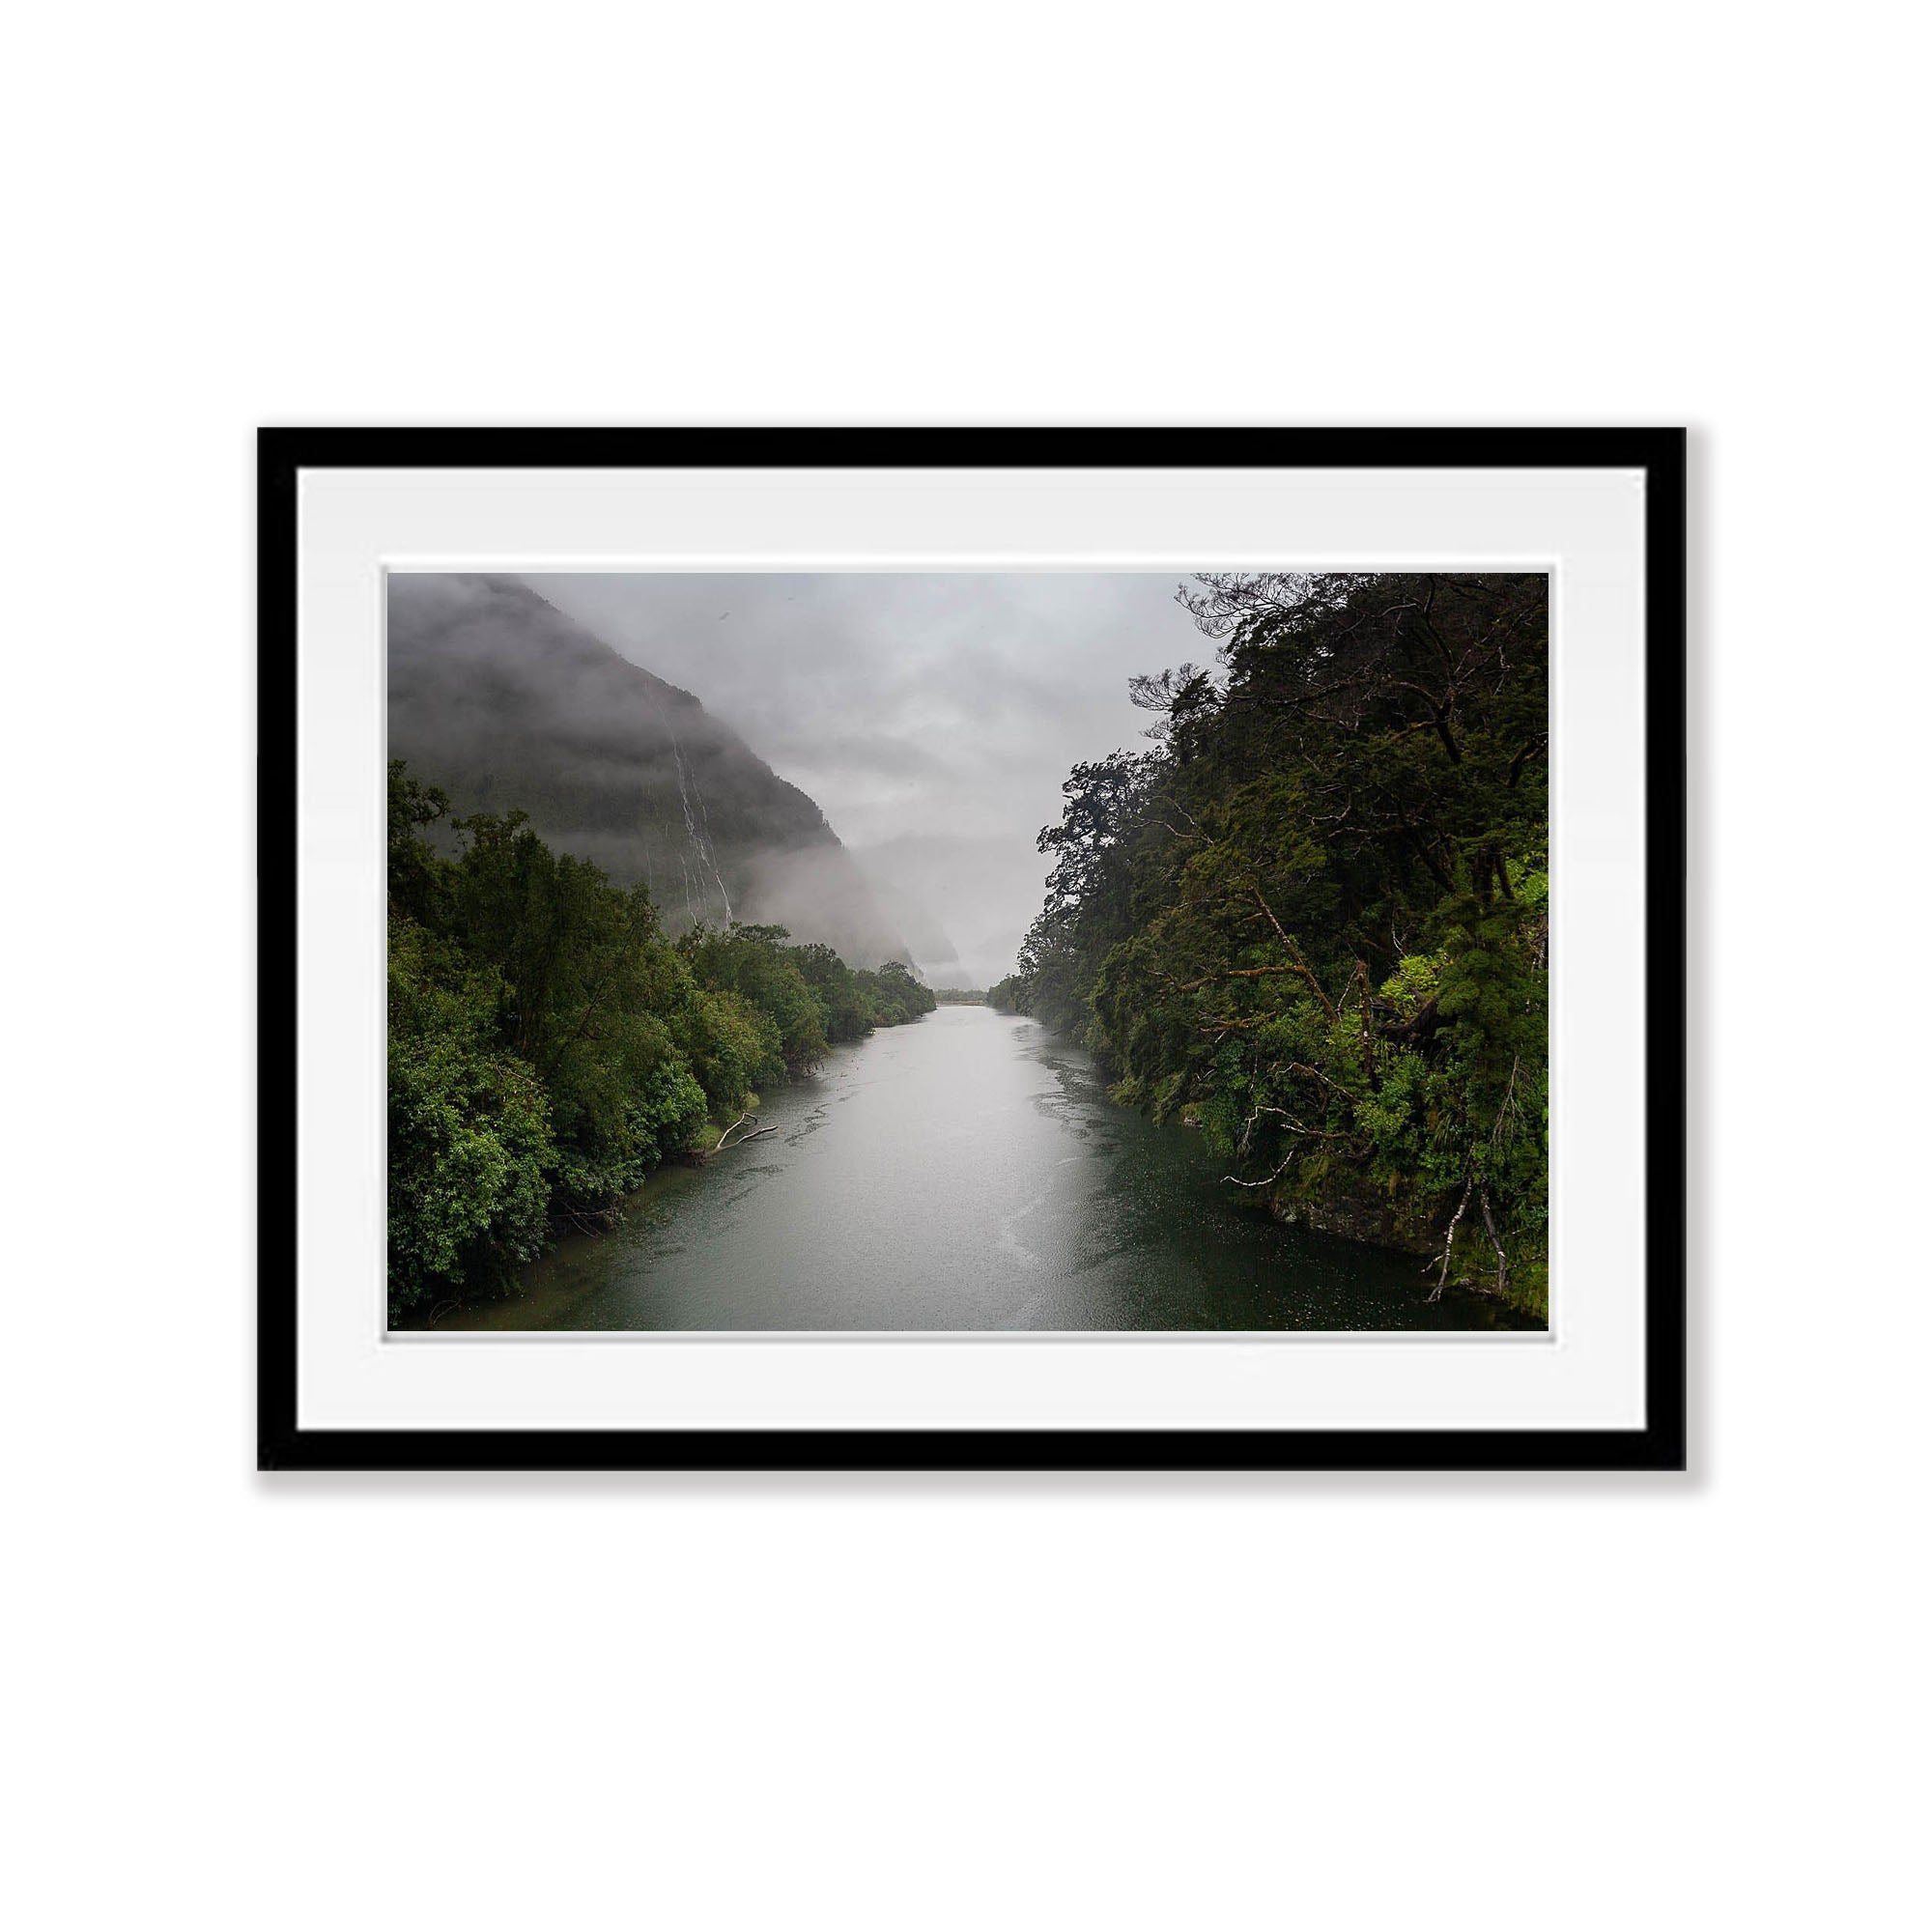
(968,952)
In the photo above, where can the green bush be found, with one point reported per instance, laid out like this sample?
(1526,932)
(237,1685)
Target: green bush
(469,1143)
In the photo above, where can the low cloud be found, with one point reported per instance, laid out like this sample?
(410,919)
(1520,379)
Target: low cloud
(932,716)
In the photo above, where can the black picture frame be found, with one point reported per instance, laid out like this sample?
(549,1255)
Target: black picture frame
(1659,1445)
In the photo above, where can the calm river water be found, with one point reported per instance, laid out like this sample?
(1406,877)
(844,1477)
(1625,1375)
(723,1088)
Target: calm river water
(964,1172)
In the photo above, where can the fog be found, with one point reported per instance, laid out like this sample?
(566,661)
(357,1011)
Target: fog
(932,716)
(507,703)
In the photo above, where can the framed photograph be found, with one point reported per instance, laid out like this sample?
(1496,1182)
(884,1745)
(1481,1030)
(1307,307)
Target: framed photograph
(972,949)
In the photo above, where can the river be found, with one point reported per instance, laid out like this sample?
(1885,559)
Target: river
(964,1172)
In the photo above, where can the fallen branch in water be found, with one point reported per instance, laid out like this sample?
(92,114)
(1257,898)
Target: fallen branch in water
(1502,1263)
(1449,1245)
(1294,1127)
(725,1144)
(1269,1182)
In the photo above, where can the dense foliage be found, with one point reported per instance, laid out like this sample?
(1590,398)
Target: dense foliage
(548,1045)
(1313,919)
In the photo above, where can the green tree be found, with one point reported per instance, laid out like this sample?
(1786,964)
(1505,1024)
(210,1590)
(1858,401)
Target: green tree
(468,1131)
(755,963)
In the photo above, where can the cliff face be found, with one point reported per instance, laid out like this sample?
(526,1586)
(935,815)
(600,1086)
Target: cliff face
(506,703)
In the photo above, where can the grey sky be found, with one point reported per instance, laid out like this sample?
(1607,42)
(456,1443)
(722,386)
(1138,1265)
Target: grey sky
(934,718)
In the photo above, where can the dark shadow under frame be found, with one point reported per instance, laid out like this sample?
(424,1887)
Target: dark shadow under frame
(1661,1444)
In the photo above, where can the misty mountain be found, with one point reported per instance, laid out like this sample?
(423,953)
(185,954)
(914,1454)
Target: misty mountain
(498,698)
(976,878)
(926,935)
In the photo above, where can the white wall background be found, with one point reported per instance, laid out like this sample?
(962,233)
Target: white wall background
(1495,1703)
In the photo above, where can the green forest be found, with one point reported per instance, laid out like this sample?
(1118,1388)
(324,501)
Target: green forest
(1311,918)
(548,1045)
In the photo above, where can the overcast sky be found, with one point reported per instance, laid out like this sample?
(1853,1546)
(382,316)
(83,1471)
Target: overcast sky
(932,718)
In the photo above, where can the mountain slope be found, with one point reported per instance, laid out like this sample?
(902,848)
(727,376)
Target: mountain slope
(506,703)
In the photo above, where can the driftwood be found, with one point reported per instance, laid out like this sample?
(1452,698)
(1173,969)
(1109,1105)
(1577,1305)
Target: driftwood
(1449,1245)
(725,1144)
(1503,1263)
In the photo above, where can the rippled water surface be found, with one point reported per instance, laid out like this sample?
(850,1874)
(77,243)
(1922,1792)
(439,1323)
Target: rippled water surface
(964,1172)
